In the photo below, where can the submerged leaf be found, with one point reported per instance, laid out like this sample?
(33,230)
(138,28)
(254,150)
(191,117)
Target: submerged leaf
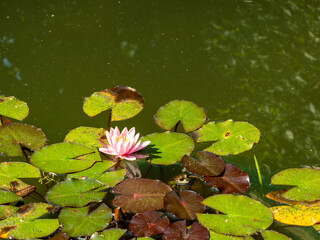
(13,108)
(229,137)
(83,222)
(189,114)
(14,136)
(179,230)
(244,216)
(170,147)
(140,195)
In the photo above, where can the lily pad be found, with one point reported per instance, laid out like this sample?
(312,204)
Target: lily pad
(10,172)
(109,234)
(88,136)
(239,216)
(13,108)
(185,205)
(148,223)
(229,137)
(24,223)
(179,230)
(305,180)
(233,180)
(8,197)
(7,211)
(125,103)
(140,195)
(84,222)
(218,236)
(189,114)
(14,136)
(297,215)
(207,164)
(64,158)
(273,235)
(75,192)
(170,147)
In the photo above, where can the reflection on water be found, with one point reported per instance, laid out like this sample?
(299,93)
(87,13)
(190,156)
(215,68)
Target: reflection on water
(255,61)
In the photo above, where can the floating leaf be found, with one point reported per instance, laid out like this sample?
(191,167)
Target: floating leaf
(64,158)
(140,195)
(83,222)
(278,196)
(75,192)
(244,216)
(7,211)
(125,103)
(8,197)
(189,114)
(184,205)
(178,230)
(233,180)
(207,164)
(24,223)
(272,235)
(306,180)
(59,236)
(13,108)
(109,234)
(148,223)
(10,172)
(218,236)
(13,136)
(297,215)
(316,227)
(229,137)
(170,146)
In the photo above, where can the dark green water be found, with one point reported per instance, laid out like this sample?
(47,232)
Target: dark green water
(255,61)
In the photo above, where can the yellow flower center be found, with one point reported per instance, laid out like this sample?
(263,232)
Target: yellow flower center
(121,137)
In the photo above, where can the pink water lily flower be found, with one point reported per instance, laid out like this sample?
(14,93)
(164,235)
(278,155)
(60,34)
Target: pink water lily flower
(123,145)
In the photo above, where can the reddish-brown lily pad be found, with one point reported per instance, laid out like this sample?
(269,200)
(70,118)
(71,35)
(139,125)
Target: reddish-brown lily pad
(233,180)
(148,223)
(184,205)
(140,194)
(207,164)
(178,230)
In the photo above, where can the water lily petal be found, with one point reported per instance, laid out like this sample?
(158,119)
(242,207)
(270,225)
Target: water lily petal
(107,151)
(137,155)
(124,133)
(116,132)
(139,146)
(131,133)
(129,157)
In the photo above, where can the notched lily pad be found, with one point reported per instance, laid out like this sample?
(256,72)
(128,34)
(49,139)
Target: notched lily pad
(125,102)
(168,147)
(244,216)
(75,192)
(207,164)
(189,114)
(64,158)
(25,222)
(7,211)
(8,197)
(14,136)
(140,194)
(305,180)
(179,230)
(229,137)
(13,108)
(84,221)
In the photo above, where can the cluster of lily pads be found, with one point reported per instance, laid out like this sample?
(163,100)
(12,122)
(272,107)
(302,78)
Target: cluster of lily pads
(95,195)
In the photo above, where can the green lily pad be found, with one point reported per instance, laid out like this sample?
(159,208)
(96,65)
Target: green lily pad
(75,192)
(316,227)
(109,234)
(189,114)
(273,235)
(24,223)
(87,136)
(15,135)
(229,137)
(8,197)
(83,222)
(7,211)
(218,236)
(10,172)
(64,158)
(305,180)
(170,147)
(13,108)
(239,215)
(125,102)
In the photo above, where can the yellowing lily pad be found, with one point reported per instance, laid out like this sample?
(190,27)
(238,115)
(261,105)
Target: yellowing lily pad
(13,108)
(13,136)
(189,114)
(229,137)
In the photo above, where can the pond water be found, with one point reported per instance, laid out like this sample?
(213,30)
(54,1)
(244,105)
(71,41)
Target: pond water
(246,60)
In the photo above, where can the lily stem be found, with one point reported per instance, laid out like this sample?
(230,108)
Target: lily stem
(24,152)
(117,165)
(148,171)
(176,126)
